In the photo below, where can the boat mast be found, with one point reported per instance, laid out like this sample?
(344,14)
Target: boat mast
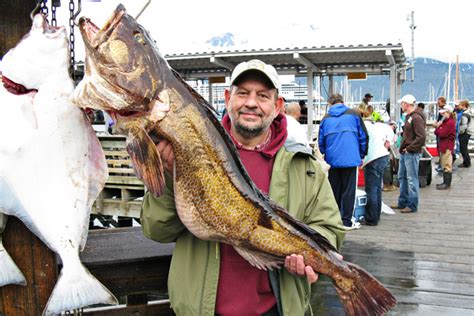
(456,80)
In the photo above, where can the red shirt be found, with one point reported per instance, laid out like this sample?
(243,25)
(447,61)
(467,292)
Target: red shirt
(242,288)
(447,135)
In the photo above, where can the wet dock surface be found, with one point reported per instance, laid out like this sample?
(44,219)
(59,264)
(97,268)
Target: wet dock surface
(426,259)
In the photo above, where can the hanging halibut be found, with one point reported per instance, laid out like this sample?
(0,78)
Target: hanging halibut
(52,167)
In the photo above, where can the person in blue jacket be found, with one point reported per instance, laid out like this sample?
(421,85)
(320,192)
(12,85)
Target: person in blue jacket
(343,140)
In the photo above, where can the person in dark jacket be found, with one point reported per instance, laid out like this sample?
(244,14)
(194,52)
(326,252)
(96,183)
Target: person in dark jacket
(465,133)
(343,141)
(414,136)
(446,133)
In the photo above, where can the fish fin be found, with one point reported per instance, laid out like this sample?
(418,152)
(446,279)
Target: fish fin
(146,160)
(366,296)
(300,226)
(9,273)
(260,260)
(77,287)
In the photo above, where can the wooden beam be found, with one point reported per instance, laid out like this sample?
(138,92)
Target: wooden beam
(161,308)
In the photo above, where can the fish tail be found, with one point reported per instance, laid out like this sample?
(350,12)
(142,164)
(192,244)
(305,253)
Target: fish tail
(366,296)
(76,288)
(9,272)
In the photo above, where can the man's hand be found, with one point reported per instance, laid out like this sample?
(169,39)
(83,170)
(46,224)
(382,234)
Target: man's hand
(166,152)
(295,265)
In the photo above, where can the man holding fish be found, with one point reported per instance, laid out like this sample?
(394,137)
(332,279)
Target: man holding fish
(208,278)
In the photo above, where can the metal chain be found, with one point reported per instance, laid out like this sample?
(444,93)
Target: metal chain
(71,36)
(44,7)
(54,22)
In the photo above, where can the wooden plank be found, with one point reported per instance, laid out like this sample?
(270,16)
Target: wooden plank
(38,265)
(151,309)
(118,207)
(116,153)
(127,262)
(426,258)
(107,246)
(124,180)
(121,170)
(15,22)
(113,161)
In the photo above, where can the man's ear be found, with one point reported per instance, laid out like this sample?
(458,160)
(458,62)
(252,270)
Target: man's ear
(227,98)
(279,104)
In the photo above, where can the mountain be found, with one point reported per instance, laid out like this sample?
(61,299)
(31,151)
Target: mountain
(428,84)
(224,40)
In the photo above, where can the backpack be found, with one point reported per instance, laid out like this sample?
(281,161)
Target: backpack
(470,122)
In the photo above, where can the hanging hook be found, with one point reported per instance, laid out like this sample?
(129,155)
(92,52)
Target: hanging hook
(32,14)
(143,9)
(79,8)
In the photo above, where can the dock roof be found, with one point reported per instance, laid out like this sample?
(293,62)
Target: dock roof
(324,60)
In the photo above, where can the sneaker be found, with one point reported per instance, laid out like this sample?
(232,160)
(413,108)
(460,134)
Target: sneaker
(390,187)
(406,210)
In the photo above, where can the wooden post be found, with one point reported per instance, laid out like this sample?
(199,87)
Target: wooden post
(38,264)
(14,22)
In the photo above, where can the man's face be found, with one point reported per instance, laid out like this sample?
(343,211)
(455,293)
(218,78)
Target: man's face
(441,103)
(252,106)
(403,106)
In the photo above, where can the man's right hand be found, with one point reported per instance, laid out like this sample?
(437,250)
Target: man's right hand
(166,152)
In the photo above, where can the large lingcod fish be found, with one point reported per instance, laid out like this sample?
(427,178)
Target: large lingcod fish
(214,196)
(52,166)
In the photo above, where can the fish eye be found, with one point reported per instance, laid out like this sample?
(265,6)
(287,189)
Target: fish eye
(139,38)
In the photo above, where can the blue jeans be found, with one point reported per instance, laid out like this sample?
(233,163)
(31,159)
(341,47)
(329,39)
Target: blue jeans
(408,179)
(373,174)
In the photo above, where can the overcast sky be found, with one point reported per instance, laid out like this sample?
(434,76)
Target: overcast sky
(443,28)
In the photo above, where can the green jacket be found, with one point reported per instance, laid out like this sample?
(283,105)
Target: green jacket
(194,271)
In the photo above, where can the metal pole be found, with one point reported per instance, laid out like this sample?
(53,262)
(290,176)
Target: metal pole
(210,92)
(412,27)
(143,9)
(393,93)
(310,103)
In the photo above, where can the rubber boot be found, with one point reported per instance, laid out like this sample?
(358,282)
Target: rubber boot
(442,183)
(447,176)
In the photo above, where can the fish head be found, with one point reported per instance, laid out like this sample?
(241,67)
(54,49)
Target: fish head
(41,53)
(121,67)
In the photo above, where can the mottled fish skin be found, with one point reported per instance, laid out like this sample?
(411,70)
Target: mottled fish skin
(54,170)
(215,198)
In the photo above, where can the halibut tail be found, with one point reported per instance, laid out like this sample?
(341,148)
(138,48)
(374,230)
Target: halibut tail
(9,272)
(77,288)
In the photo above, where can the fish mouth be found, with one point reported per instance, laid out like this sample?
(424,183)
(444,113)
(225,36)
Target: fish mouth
(93,35)
(48,30)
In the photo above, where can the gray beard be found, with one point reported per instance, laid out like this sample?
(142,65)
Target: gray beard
(248,133)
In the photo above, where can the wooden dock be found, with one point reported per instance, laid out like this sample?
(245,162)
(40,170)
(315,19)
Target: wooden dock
(426,259)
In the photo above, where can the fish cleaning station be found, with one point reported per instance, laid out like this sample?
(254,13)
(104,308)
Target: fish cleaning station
(425,259)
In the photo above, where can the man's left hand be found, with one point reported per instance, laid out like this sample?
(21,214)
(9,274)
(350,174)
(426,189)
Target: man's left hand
(295,265)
